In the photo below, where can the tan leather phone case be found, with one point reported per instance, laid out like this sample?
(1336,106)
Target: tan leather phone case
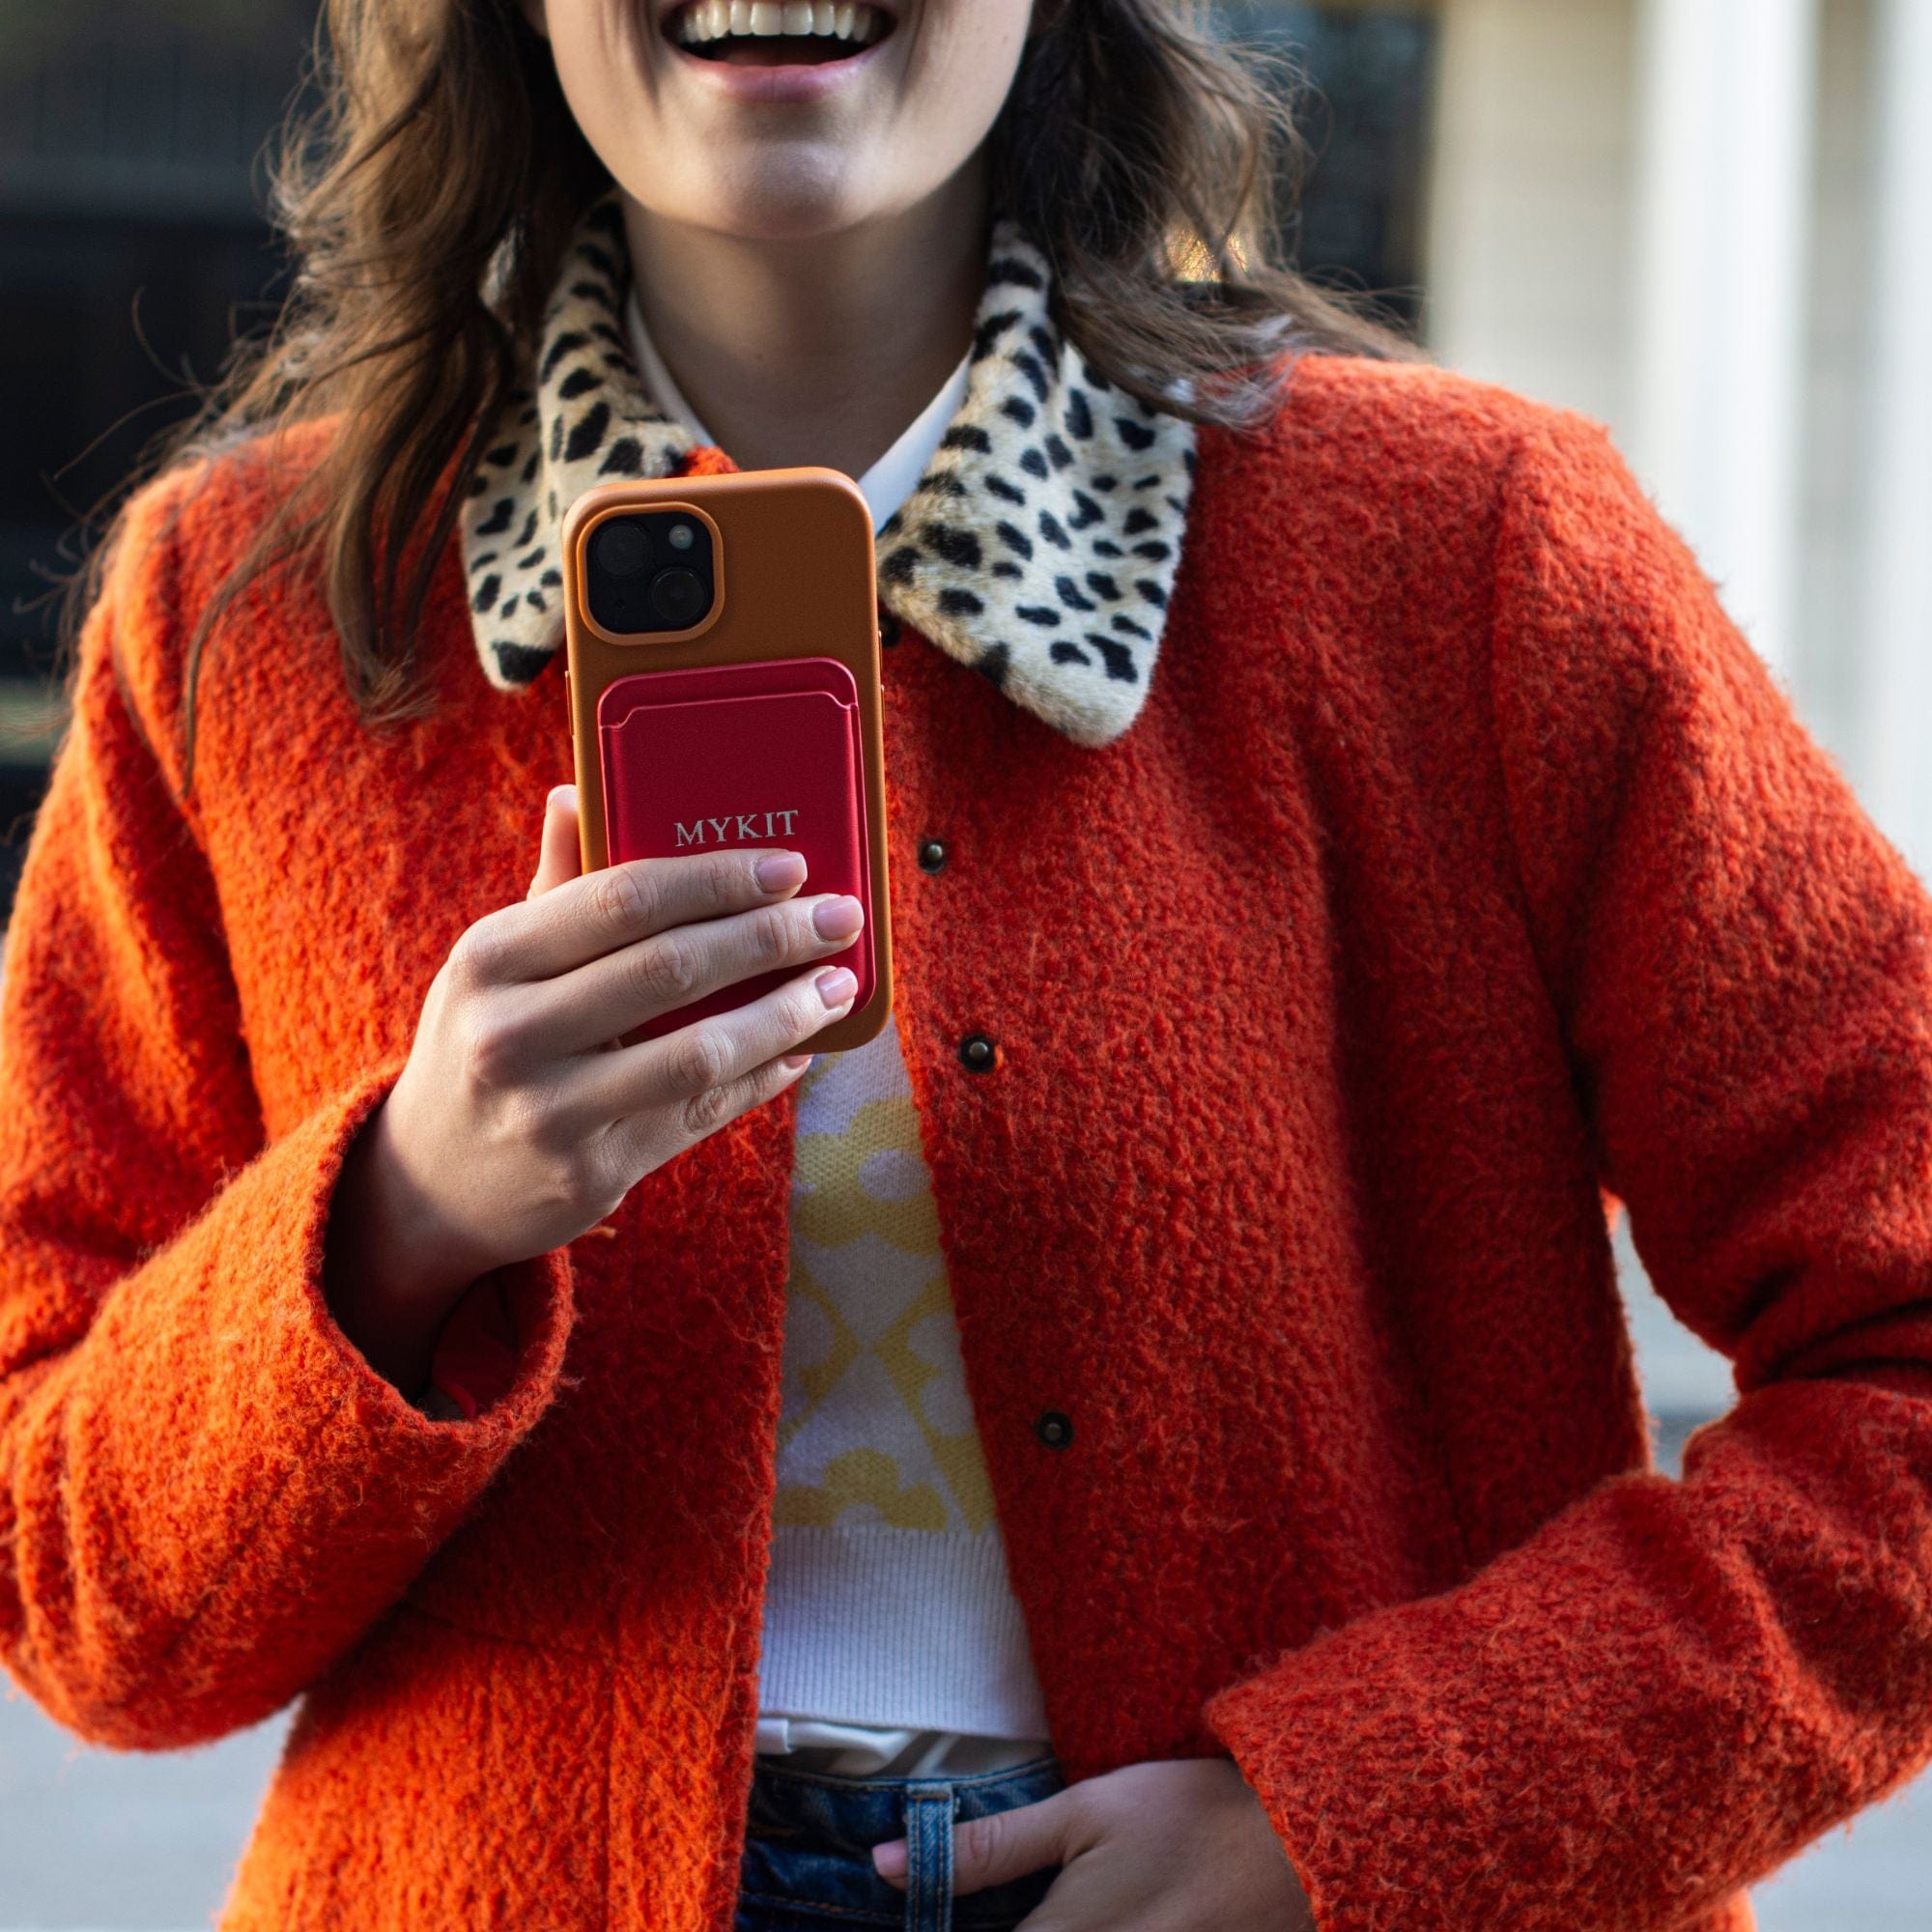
(794,577)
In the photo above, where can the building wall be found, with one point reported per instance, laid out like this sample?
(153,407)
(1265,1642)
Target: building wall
(1528,241)
(1831,678)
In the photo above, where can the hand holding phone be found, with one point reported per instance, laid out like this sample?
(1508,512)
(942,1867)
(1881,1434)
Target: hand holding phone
(722,655)
(518,1122)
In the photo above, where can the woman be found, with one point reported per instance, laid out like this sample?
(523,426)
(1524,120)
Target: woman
(1366,845)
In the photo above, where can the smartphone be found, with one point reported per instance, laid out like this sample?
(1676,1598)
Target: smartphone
(721,655)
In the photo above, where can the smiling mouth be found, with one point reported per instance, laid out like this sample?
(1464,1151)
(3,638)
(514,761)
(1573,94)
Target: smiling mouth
(776,33)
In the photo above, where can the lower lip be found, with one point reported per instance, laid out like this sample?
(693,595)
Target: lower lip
(803,80)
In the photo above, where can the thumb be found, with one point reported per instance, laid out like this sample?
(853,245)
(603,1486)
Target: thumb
(560,858)
(996,1849)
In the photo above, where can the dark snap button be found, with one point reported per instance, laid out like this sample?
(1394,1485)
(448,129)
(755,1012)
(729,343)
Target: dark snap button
(889,628)
(977,1053)
(1055,1430)
(931,855)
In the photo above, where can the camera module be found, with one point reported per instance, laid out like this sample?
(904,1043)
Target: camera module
(630,587)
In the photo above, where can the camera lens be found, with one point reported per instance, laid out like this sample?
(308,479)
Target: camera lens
(678,596)
(620,547)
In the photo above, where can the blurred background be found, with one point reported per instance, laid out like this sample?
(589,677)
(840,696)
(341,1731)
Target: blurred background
(1707,223)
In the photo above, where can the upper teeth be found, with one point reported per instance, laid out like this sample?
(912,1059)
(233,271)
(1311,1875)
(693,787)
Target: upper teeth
(840,19)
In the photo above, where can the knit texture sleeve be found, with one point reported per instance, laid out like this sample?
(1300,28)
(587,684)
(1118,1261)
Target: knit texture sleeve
(1675,1683)
(205,1492)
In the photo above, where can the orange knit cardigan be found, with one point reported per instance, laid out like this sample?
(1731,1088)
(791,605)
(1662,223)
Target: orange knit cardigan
(1464,863)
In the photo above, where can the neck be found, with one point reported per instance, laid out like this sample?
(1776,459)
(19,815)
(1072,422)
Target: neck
(819,349)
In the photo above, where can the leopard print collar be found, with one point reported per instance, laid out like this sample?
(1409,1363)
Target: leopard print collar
(1039,546)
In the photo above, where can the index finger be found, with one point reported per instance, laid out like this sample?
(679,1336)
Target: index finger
(584,917)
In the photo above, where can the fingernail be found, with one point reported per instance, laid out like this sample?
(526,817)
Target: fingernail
(890,1861)
(777,870)
(837,985)
(837,918)
(796,1063)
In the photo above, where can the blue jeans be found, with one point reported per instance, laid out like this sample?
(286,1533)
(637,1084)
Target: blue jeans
(809,1843)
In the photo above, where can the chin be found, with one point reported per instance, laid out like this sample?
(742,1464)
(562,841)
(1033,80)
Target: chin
(788,202)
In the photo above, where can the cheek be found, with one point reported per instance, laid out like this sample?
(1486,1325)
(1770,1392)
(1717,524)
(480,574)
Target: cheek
(959,78)
(606,72)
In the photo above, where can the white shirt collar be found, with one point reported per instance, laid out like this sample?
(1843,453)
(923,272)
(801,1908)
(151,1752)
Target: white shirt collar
(885,486)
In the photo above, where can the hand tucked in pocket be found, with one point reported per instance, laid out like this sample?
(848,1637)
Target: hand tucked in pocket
(1176,1845)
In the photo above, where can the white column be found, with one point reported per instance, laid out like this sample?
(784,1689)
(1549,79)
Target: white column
(1896,672)
(1723,208)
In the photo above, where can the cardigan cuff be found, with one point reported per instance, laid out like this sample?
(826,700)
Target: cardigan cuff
(496,1361)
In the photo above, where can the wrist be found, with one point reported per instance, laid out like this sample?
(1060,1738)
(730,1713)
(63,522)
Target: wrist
(393,1269)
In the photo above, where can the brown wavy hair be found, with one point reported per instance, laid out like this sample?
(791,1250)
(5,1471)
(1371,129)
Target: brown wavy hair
(1147,159)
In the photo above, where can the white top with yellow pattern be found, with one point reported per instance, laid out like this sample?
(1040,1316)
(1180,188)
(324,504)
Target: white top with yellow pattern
(893,1642)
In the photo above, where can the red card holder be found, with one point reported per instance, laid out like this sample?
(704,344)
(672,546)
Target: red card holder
(764,753)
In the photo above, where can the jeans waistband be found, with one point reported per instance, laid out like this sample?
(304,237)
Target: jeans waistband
(809,1850)
(841,1813)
